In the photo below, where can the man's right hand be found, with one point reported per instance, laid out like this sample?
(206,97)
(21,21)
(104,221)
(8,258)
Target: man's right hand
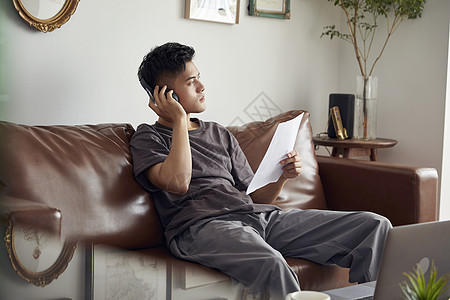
(167,108)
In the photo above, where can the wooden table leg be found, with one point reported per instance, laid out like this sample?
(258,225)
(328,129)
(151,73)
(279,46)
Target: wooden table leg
(335,152)
(373,154)
(347,153)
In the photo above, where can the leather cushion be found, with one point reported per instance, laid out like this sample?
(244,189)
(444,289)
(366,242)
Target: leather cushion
(85,172)
(302,192)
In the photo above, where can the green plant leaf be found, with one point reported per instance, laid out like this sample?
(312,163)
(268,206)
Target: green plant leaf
(419,289)
(409,294)
(361,18)
(414,282)
(430,290)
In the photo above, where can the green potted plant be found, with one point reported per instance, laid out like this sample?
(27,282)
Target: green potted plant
(419,289)
(362,26)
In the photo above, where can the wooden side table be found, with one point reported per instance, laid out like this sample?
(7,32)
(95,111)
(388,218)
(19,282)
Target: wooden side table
(352,147)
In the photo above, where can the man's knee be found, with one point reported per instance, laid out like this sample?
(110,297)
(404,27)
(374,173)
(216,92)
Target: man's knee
(378,222)
(377,228)
(275,277)
(274,261)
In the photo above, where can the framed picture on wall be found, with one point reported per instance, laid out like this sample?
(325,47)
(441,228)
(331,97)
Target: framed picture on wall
(115,274)
(280,9)
(37,256)
(221,11)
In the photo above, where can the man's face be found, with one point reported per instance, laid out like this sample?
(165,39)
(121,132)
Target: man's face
(190,89)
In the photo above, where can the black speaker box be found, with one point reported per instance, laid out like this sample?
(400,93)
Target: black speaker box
(346,104)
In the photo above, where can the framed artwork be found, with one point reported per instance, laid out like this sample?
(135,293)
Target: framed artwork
(196,275)
(116,274)
(221,11)
(38,257)
(280,9)
(46,16)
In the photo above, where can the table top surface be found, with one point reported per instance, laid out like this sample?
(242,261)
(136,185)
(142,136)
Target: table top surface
(354,143)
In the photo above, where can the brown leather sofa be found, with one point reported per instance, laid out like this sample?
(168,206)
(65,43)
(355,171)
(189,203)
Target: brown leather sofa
(78,181)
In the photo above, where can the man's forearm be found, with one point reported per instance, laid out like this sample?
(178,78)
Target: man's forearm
(174,174)
(268,193)
(179,160)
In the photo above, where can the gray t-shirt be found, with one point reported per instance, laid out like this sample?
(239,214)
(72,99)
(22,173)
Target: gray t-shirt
(220,175)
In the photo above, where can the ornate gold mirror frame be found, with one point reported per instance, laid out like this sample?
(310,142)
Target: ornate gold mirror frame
(17,237)
(47,25)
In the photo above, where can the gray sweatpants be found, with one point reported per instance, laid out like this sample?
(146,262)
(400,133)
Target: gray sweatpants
(250,247)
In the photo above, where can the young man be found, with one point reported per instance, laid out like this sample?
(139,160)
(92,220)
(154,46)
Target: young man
(197,176)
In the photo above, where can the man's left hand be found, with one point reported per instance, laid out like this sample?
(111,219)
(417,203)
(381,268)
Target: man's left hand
(292,165)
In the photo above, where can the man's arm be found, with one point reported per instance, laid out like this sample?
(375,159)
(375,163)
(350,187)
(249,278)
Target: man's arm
(292,168)
(174,173)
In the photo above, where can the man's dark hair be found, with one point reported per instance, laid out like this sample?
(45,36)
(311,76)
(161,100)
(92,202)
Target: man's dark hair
(165,61)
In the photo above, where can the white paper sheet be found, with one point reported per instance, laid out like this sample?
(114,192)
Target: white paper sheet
(282,143)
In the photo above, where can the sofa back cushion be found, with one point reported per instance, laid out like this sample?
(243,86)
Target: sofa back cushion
(302,192)
(85,172)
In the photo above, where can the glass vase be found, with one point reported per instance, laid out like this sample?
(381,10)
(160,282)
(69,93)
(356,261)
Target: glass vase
(365,125)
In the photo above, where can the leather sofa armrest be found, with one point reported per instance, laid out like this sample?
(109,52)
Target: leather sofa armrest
(403,194)
(30,213)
